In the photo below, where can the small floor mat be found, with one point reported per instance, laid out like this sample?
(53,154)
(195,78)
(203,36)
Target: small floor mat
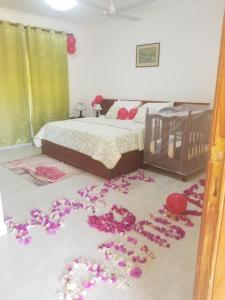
(41,169)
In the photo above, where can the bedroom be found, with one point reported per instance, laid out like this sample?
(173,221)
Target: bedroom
(75,219)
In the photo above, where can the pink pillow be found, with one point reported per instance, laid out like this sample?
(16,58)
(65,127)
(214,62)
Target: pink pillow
(122,113)
(132,113)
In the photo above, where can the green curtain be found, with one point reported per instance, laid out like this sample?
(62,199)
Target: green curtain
(14,109)
(48,74)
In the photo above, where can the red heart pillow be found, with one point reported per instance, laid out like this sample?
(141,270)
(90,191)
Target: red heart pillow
(132,113)
(122,113)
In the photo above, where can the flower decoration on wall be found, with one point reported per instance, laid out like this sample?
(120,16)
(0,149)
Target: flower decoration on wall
(71,44)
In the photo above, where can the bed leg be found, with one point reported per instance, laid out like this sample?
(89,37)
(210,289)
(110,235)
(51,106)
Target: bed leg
(184,178)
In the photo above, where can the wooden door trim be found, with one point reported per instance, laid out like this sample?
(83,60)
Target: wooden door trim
(214,200)
(214,290)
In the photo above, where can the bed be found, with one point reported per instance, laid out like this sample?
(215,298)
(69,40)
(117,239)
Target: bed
(88,156)
(105,147)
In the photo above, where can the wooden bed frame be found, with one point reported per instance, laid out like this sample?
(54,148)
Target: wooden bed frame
(129,162)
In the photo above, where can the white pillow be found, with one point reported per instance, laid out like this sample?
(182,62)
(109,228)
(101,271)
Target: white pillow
(129,104)
(152,108)
(113,111)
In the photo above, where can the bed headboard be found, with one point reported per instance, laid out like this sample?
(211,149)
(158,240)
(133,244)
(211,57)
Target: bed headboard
(107,103)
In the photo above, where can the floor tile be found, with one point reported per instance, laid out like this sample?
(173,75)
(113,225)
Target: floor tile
(137,293)
(36,292)
(16,277)
(34,271)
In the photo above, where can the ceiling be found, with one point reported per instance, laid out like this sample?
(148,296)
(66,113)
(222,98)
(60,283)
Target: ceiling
(81,13)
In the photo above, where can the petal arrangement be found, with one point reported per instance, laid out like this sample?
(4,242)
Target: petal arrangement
(120,247)
(75,290)
(129,259)
(108,223)
(54,220)
(168,229)
(51,222)
(121,221)
(96,194)
(128,252)
(130,268)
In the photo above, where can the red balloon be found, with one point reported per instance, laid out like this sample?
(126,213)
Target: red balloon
(98,99)
(176,203)
(71,49)
(71,40)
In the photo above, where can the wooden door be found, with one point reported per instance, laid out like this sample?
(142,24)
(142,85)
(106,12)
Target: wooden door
(210,271)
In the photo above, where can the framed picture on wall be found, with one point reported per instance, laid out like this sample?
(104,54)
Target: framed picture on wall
(147,55)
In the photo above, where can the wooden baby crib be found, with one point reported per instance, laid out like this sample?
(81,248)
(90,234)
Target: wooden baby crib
(177,143)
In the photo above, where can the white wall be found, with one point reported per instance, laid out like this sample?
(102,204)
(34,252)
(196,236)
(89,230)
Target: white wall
(189,33)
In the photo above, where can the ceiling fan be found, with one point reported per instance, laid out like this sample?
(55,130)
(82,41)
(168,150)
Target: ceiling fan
(111,11)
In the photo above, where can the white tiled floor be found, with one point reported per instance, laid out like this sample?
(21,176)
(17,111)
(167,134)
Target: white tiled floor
(34,271)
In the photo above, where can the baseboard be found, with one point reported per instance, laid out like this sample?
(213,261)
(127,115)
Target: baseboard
(15,146)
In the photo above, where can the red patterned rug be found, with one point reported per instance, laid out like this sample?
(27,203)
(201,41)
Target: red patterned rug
(41,169)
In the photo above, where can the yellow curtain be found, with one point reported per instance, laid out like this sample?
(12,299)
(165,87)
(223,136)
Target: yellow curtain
(48,73)
(14,110)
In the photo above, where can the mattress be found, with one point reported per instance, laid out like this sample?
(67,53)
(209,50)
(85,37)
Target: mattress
(102,139)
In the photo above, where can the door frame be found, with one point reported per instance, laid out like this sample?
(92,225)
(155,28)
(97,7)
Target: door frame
(210,265)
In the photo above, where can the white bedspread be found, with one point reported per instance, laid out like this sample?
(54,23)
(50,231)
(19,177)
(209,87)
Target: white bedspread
(100,138)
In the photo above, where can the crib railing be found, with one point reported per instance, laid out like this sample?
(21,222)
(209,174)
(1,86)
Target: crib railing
(177,143)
